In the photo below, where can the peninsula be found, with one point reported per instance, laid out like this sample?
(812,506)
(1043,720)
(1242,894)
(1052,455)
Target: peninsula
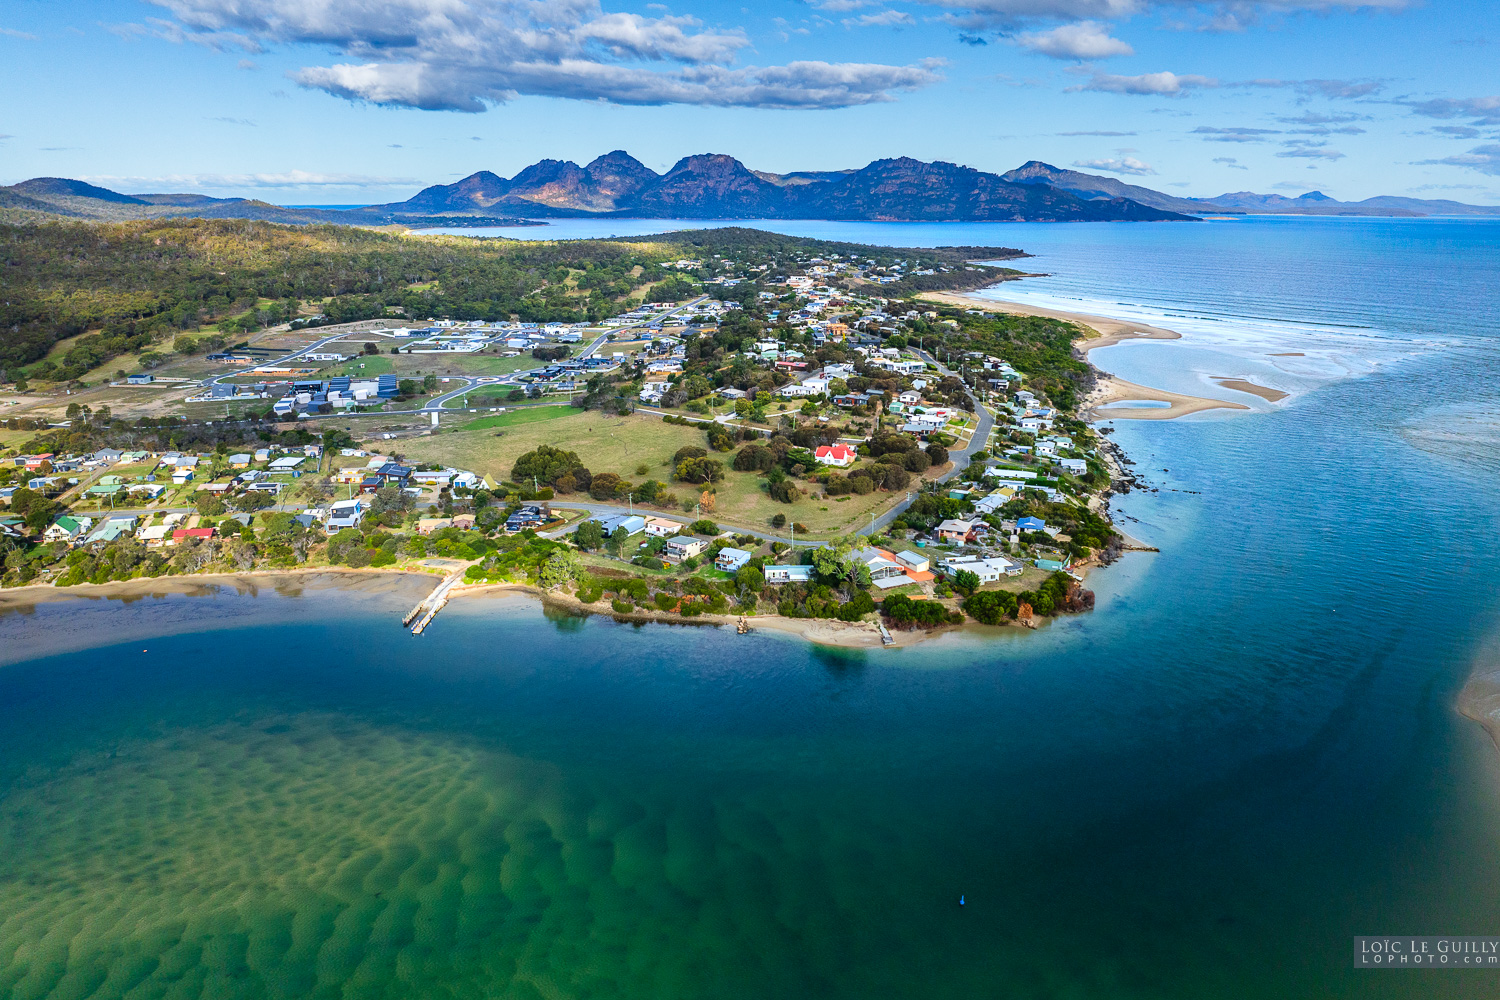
(721,425)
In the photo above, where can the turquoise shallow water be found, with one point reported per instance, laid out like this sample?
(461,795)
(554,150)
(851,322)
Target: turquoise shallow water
(1246,755)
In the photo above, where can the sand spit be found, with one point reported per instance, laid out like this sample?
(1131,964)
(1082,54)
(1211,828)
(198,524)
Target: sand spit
(1245,385)
(1109,389)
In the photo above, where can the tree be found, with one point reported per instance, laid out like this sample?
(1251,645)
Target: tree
(429,383)
(547,465)
(560,568)
(254,500)
(607,486)
(208,504)
(938,454)
(589,536)
(703,526)
(371,348)
(407,387)
(750,580)
(778,521)
(700,470)
(966,581)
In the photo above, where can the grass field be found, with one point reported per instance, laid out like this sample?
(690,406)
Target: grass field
(529,415)
(604,444)
(621,445)
(489,364)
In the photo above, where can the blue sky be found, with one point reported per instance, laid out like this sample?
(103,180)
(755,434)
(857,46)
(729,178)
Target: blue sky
(352,101)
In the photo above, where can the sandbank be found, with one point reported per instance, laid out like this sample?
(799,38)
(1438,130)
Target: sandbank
(1245,385)
(1109,389)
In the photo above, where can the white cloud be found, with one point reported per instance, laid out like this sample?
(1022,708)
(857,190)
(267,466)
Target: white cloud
(1308,150)
(883,19)
(1479,110)
(1212,134)
(1230,162)
(465,55)
(1082,40)
(1162,84)
(13,33)
(1227,15)
(1118,165)
(1485,159)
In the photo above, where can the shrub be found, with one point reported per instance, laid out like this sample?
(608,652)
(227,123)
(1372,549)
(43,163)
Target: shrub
(991,607)
(778,521)
(688,451)
(704,526)
(754,458)
(622,607)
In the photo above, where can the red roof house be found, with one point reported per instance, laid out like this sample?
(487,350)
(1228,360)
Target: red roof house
(840,455)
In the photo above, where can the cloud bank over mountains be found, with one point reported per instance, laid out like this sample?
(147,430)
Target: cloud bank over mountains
(465,55)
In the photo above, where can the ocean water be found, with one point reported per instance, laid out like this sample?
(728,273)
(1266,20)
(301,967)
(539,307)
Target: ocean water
(1246,755)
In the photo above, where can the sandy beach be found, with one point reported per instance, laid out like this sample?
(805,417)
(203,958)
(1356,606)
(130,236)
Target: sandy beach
(820,631)
(363,581)
(1110,389)
(1108,332)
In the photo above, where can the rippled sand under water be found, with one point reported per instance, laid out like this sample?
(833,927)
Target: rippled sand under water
(311,856)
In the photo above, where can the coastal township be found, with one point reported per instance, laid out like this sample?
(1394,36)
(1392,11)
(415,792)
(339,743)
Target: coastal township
(737,425)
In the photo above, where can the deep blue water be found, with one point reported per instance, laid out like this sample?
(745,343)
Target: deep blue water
(1247,754)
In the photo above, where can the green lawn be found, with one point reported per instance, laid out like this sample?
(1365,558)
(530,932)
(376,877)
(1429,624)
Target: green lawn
(530,415)
(365,364)
(621,445)
(488,364)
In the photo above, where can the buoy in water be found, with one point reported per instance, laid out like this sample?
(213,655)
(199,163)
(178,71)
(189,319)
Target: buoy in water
(960,901)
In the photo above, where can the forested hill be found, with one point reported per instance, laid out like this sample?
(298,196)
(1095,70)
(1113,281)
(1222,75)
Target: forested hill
(137,286)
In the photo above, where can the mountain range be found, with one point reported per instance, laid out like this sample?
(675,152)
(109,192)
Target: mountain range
(717,186)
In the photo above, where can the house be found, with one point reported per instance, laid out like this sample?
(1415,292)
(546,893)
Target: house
(529,516)
(288,463)
(427,525)
(956,531)
(612,523)
(114,528)
(660,527)
(155,534)
(780,575)
(143,378)
(840,455)
(67,528)
(1053,565)
(885,572)
(183,534)
(683,547)
(1031,524)
(239,461)
(991,503)
(105,491)
(796,389)
(914,561)
(910,397)
(730,560)
(988,570)
(1076,466)
(463,522)
(182,476)
(342,514)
